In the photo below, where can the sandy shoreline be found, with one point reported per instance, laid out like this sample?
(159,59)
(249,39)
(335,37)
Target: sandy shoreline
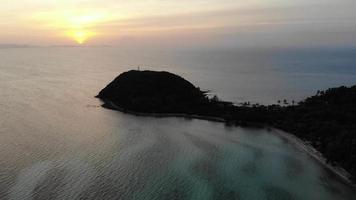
(297,142)
(315,154)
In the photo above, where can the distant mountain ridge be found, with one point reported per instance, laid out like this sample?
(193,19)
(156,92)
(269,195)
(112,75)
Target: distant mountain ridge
(3,46)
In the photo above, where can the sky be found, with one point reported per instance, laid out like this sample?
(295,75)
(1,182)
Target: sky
(183,23)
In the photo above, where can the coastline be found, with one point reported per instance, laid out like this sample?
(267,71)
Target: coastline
(306,147)
(110,105)
(294,140)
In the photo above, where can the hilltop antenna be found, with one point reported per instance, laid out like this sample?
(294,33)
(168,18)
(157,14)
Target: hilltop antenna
(138,68)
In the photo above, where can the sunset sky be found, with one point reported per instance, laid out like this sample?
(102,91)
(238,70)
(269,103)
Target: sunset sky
(179,23)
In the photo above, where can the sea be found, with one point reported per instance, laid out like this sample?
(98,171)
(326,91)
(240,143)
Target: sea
(58,143)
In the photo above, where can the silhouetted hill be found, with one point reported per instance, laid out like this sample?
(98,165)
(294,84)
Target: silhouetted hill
(327,119)
(153,92)
(8,46)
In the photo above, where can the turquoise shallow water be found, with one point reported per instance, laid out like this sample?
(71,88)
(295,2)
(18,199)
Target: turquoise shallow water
(58,143)
(194,160)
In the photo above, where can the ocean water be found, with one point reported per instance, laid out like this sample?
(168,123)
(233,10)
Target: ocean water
(56,142)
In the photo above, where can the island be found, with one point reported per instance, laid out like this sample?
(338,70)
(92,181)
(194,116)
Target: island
(153,92)
(326,120)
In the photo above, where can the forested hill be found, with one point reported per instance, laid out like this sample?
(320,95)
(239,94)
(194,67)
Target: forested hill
(153,92)
(327,119)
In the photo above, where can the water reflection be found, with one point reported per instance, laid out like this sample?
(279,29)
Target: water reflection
(54,146)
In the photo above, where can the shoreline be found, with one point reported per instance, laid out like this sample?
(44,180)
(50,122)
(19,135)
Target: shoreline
(110,105)
(294,140)
(306,147)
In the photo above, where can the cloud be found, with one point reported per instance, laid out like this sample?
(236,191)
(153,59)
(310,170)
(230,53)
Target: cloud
(200,21)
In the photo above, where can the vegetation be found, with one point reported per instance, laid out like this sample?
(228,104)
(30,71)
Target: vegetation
(154,92)
(327,119)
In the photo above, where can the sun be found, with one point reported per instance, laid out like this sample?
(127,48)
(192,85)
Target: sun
(79,26)
(80,36)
